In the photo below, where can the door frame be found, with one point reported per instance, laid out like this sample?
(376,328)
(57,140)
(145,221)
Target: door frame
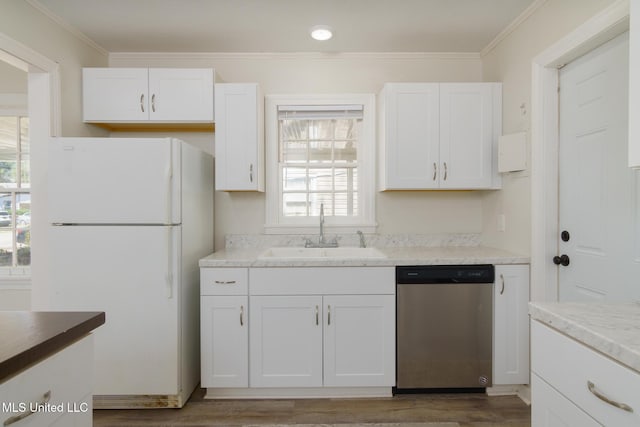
(45,112)
(611,22)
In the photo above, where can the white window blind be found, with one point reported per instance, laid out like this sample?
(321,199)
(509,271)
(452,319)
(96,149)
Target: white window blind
(318,159)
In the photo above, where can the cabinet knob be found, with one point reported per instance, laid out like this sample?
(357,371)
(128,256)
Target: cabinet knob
(142,102)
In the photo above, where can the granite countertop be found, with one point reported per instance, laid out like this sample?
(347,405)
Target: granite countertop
(447,255)
(30,337)
(613,329)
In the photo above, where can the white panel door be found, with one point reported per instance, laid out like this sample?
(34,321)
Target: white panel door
(511,325)
(115,94)
(114,180)
(598,193)
(224,341)
(359,340)
(412,135)
(285,339)
(466,135)
(131,274)
(181,94)
(238,137)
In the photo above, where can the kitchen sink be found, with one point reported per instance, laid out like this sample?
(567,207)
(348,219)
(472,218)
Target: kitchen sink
(321,253)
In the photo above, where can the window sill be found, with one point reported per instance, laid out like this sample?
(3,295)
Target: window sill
(314,229)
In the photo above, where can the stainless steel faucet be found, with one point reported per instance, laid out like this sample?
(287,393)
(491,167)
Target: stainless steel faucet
(322,243)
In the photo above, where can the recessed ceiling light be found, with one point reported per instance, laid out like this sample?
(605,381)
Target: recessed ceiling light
(321,32)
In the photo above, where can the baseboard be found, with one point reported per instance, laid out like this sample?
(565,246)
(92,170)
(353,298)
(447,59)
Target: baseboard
(297,393)
(144,401)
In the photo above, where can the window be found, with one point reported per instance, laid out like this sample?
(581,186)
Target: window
(15,196)
(320,153)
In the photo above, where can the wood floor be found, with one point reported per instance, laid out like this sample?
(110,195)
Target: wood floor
(468,410)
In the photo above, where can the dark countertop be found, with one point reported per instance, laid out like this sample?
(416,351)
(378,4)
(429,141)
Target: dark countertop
(29,337)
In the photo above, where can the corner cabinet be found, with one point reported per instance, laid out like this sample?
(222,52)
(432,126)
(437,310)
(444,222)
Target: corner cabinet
(511,325)
(439,135)
(239,137)
(147,95)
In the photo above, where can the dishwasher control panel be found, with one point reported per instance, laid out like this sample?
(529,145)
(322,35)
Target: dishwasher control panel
(425,274)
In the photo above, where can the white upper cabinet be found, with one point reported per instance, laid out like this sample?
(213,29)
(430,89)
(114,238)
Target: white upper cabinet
(146,95)
(239,137)
(439,135)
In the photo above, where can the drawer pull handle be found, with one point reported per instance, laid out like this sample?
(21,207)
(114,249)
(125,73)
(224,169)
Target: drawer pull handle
(502,280)
(329,315)
(11,420)
(435,171)
(225,282)
(242,315)
(317,315)
(592,388)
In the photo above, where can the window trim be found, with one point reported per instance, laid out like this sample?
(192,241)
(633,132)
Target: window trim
(15,277)
(365,222)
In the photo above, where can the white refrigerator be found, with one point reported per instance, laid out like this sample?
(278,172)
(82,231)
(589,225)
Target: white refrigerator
(129,220)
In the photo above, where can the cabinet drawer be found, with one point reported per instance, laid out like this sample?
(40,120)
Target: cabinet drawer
(62,382)
(224,281)
(323,281)
(569,367)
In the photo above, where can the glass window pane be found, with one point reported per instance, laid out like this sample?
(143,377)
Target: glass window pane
(294,204)
(8,173)
(345,129)
(6,231)
(294,178)
(23,228)
(25,172)
(321,129)
(342,204)
(317,199)
(8,134)
(343,179)
(320,151)
(345,151)
(25,142)
(320,179)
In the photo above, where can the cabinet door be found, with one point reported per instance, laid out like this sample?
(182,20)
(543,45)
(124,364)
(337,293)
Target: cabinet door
(411,136)
(359,340)
(511,325)
(286,341)
(115,94)
(224,341)
(551,409)
(181,94)
(466,135)
(239,137)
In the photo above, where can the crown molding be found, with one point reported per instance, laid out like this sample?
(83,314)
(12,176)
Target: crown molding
(221,56)
(68,27)
(533,7)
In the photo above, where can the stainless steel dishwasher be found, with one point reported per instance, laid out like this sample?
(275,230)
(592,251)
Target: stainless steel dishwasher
(444,326)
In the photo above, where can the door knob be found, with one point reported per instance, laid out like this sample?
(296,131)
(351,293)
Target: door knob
(562,259)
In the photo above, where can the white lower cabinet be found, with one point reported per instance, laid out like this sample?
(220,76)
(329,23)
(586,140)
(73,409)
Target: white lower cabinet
(224,327)
(587,387)
(314,341)
(551,409)
(304,328)
(511,325)
(55,392)
(224,341)
(286,341)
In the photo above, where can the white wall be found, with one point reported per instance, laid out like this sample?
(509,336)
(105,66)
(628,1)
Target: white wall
(22,23)
(510,62)
(397,212)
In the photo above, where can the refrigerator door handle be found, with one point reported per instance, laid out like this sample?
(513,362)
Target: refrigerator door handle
(169,175)
(169,263)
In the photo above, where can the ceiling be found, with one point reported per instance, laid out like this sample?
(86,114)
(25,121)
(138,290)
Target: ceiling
(283,25)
